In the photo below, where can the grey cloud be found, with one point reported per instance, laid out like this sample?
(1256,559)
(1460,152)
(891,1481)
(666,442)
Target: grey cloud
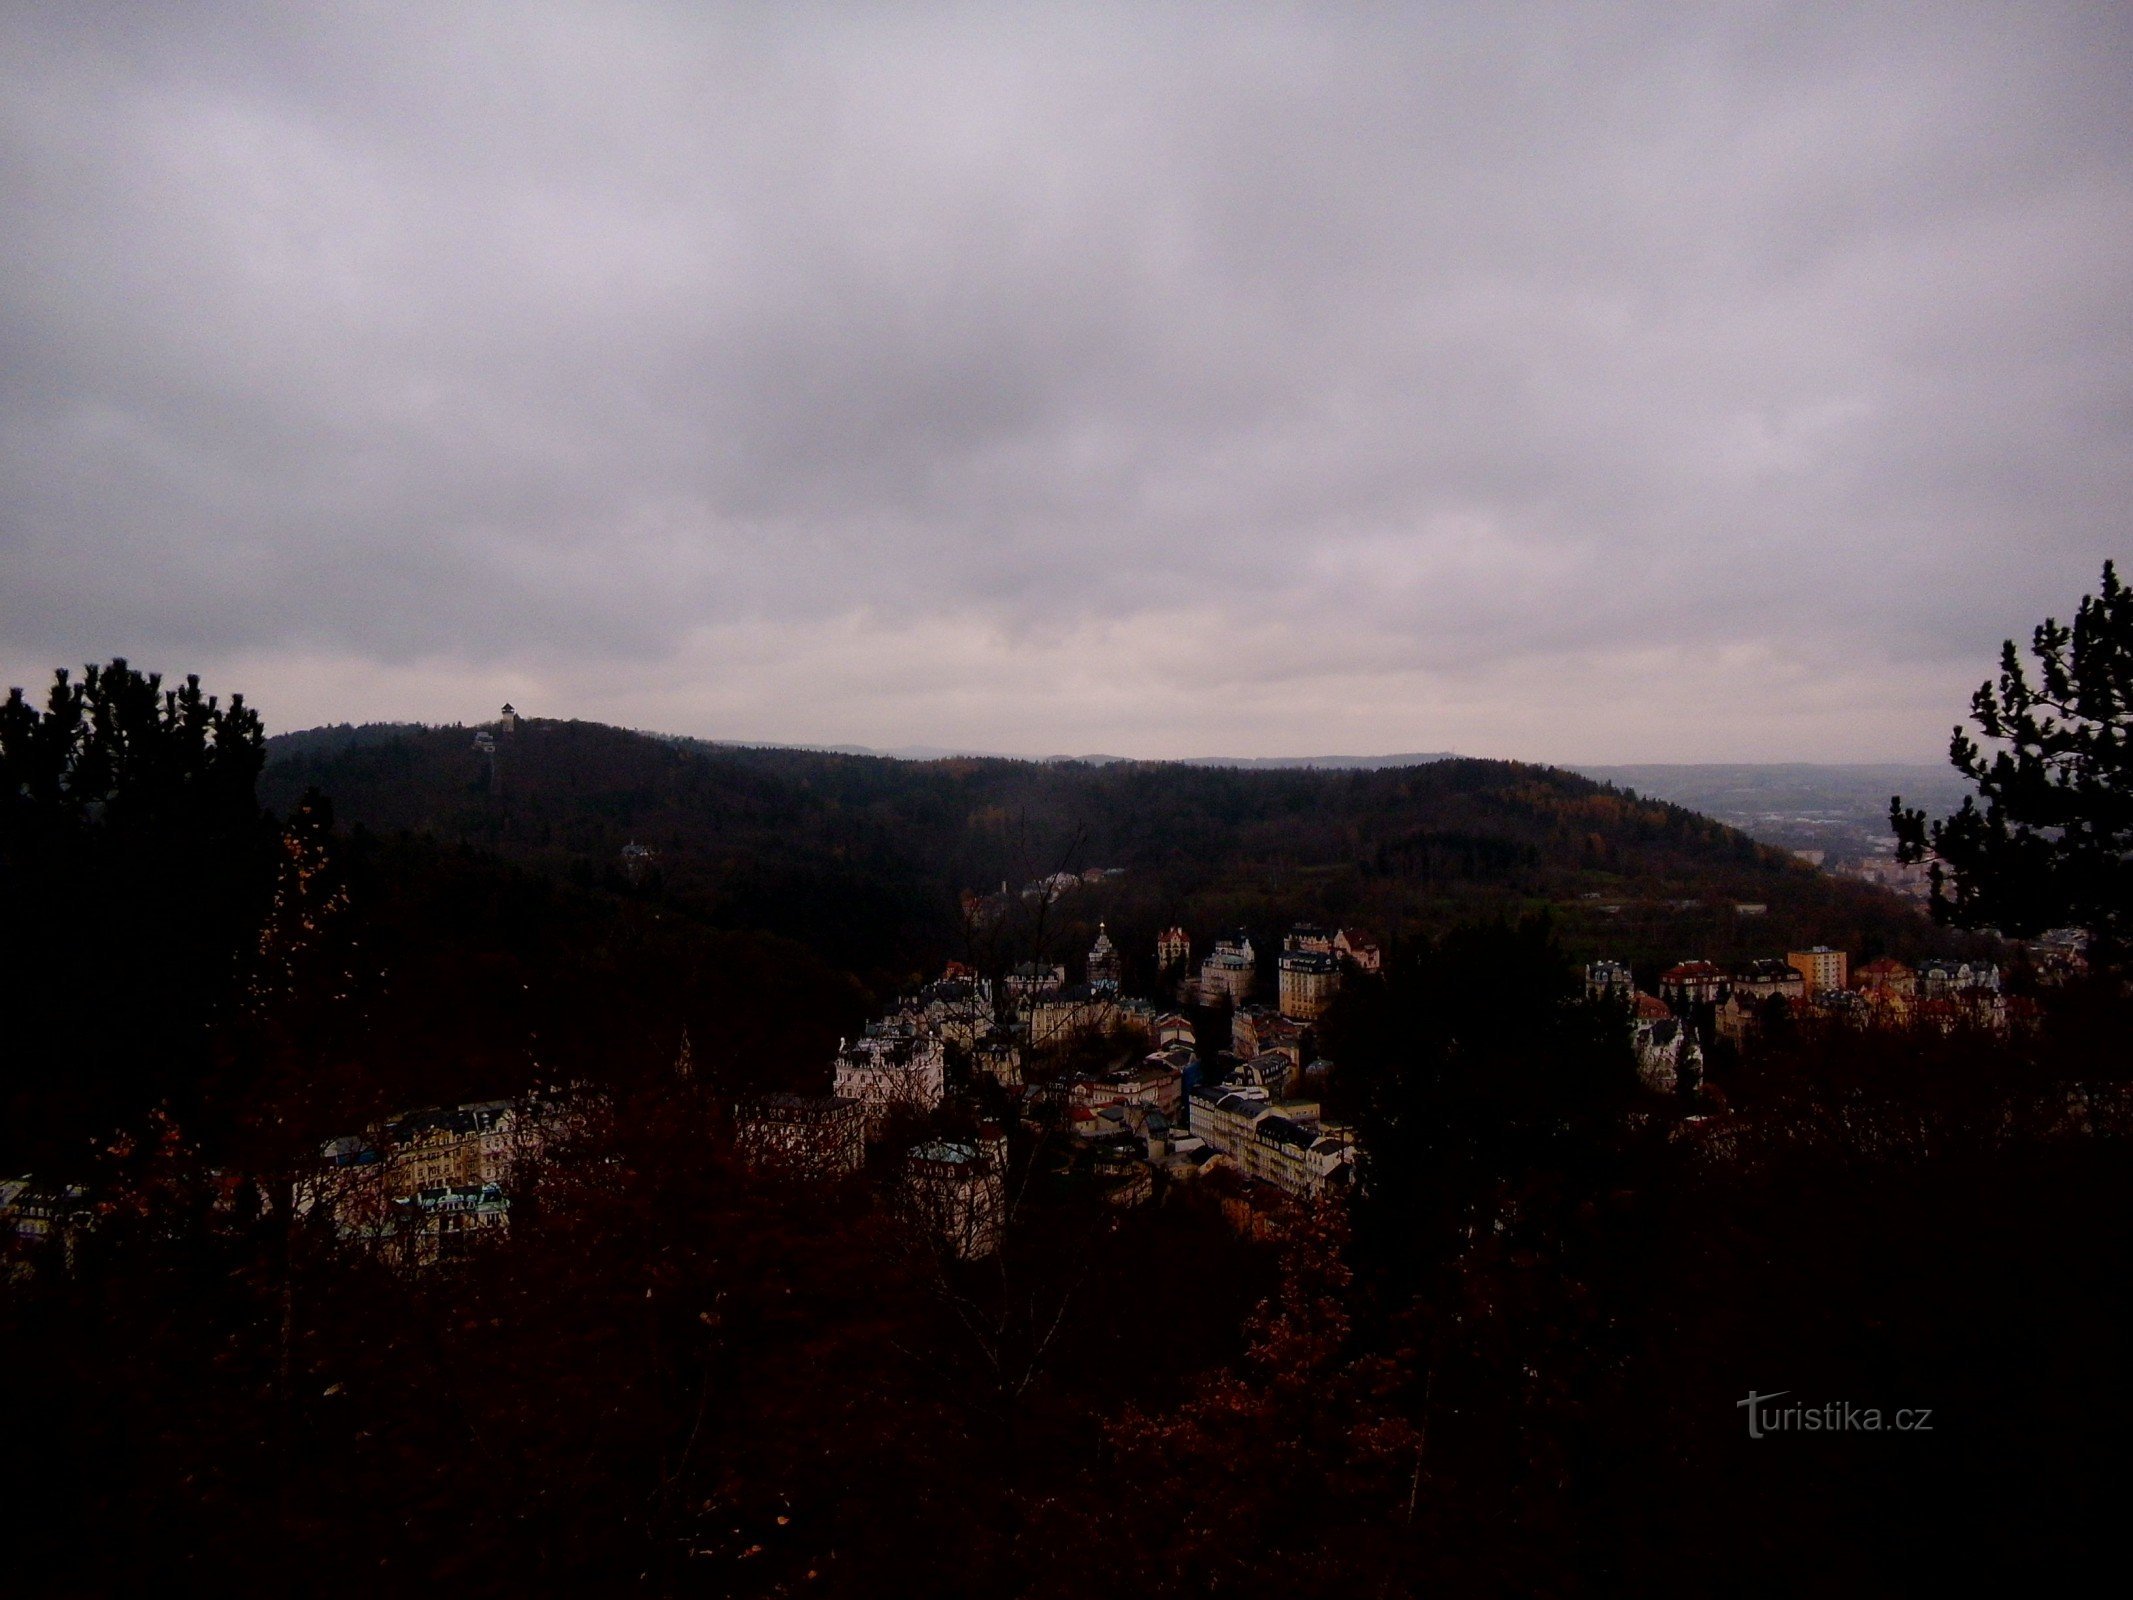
(1454,336)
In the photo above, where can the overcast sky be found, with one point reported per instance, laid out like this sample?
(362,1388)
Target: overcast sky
(1579,383)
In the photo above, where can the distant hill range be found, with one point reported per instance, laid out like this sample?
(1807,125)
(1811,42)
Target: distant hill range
(929,752)
(863,856)
(342,736)
(1837,809)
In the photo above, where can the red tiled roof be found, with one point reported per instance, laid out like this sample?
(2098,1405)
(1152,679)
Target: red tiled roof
(1690,972)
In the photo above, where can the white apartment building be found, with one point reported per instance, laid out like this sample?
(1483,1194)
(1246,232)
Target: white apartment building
(885,1071)
(1281,1142)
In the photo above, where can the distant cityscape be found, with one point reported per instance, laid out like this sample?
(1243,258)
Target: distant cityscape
(1834,817)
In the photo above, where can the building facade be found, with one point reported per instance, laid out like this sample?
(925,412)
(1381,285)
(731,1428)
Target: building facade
(1692,983)
(999,1057)
(1668,1057)
(1281,1142)
(1821,969)
(955,1192)
(1105,968)
(1753,982)
(1941,978)
(888,1072)
(1309,980)
(1353,945)
(1036,977)
(1064,1014)
(1229,972)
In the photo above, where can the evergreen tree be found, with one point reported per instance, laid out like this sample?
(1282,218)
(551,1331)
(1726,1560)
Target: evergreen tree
(2052,844)
(135,868)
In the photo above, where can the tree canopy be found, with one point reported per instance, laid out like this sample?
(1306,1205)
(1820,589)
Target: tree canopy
(2052,843)
(134,868)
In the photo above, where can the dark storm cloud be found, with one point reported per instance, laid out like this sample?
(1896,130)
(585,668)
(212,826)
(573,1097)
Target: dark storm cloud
(1421,357)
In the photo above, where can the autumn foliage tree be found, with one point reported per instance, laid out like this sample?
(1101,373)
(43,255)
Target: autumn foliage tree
(1312,1429)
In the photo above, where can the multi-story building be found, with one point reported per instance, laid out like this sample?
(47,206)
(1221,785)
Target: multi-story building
(1154,1083)
(1275,1071)
(1172,1027)
(1354,945)
(1668,1057)
(1735,1019)
(1753,982)
(482,1142)
(1255,1029)
(1887,976)
(1309,980)
(1229,971)
(1822,970)
(1104,963)
(801,1135)
(1066,1013)
(998,1055)
(445,1223)
(888,1072)
(1942,977)
(958,1007)
(1283,1034)
(1309,936)
(1692,983)
(1303,1158)
(1180,1060)
(1281,1142)
(1608,980)
(1175,979)
(1173,953)
(471,1144)
(1036,977)
(955,1191)
(419,1177)
(1225,1116)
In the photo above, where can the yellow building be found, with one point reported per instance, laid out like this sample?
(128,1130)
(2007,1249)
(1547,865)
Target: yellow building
(1821,969)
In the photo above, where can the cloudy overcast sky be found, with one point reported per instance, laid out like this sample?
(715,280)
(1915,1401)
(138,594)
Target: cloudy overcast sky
(1580,383)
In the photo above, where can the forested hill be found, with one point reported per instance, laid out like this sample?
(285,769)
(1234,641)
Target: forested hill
(863,857)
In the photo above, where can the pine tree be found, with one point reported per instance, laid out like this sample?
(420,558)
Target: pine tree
(2052,843)
(135,869)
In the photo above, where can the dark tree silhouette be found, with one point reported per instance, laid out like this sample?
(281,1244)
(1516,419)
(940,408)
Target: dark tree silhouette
(2052,844)
(134,870)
